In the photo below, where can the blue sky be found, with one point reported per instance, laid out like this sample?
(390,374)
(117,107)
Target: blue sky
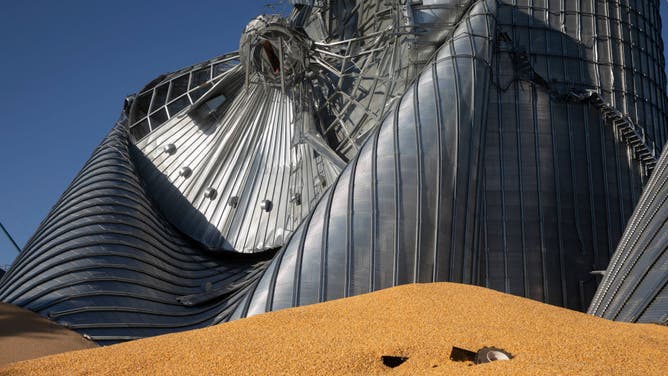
(67,66)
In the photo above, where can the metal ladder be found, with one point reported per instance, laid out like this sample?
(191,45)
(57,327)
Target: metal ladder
(642,147)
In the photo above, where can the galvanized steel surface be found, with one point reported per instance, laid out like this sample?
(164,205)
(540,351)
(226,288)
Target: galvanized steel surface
(635,284)
(559,177)
(106,263)
(560,180)
(307,100)
(498,143)
(236,161)
(366,53)
(390,218)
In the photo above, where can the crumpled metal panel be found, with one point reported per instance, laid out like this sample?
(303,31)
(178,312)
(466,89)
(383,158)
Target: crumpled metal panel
(369,52)
(511,158)
(559,178)
(106,263)
(387,219)
(229,169)
(169,95)
(241,174)
(235,165)
(635,285)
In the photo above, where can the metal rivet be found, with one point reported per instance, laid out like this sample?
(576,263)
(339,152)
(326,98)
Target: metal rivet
(266,205)
(296,198)
(185,172)
(211,193)
(233,201)
(169,149)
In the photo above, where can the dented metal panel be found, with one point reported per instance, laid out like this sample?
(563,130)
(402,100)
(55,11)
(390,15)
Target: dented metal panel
(376,143)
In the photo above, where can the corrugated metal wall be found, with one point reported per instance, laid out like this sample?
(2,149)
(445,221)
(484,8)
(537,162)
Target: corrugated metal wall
(559,178)
(404,210)
(635,286)
(106,263)
(559,183)
(513,161)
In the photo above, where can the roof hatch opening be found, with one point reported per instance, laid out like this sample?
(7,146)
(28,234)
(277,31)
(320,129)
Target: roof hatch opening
(273,51)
